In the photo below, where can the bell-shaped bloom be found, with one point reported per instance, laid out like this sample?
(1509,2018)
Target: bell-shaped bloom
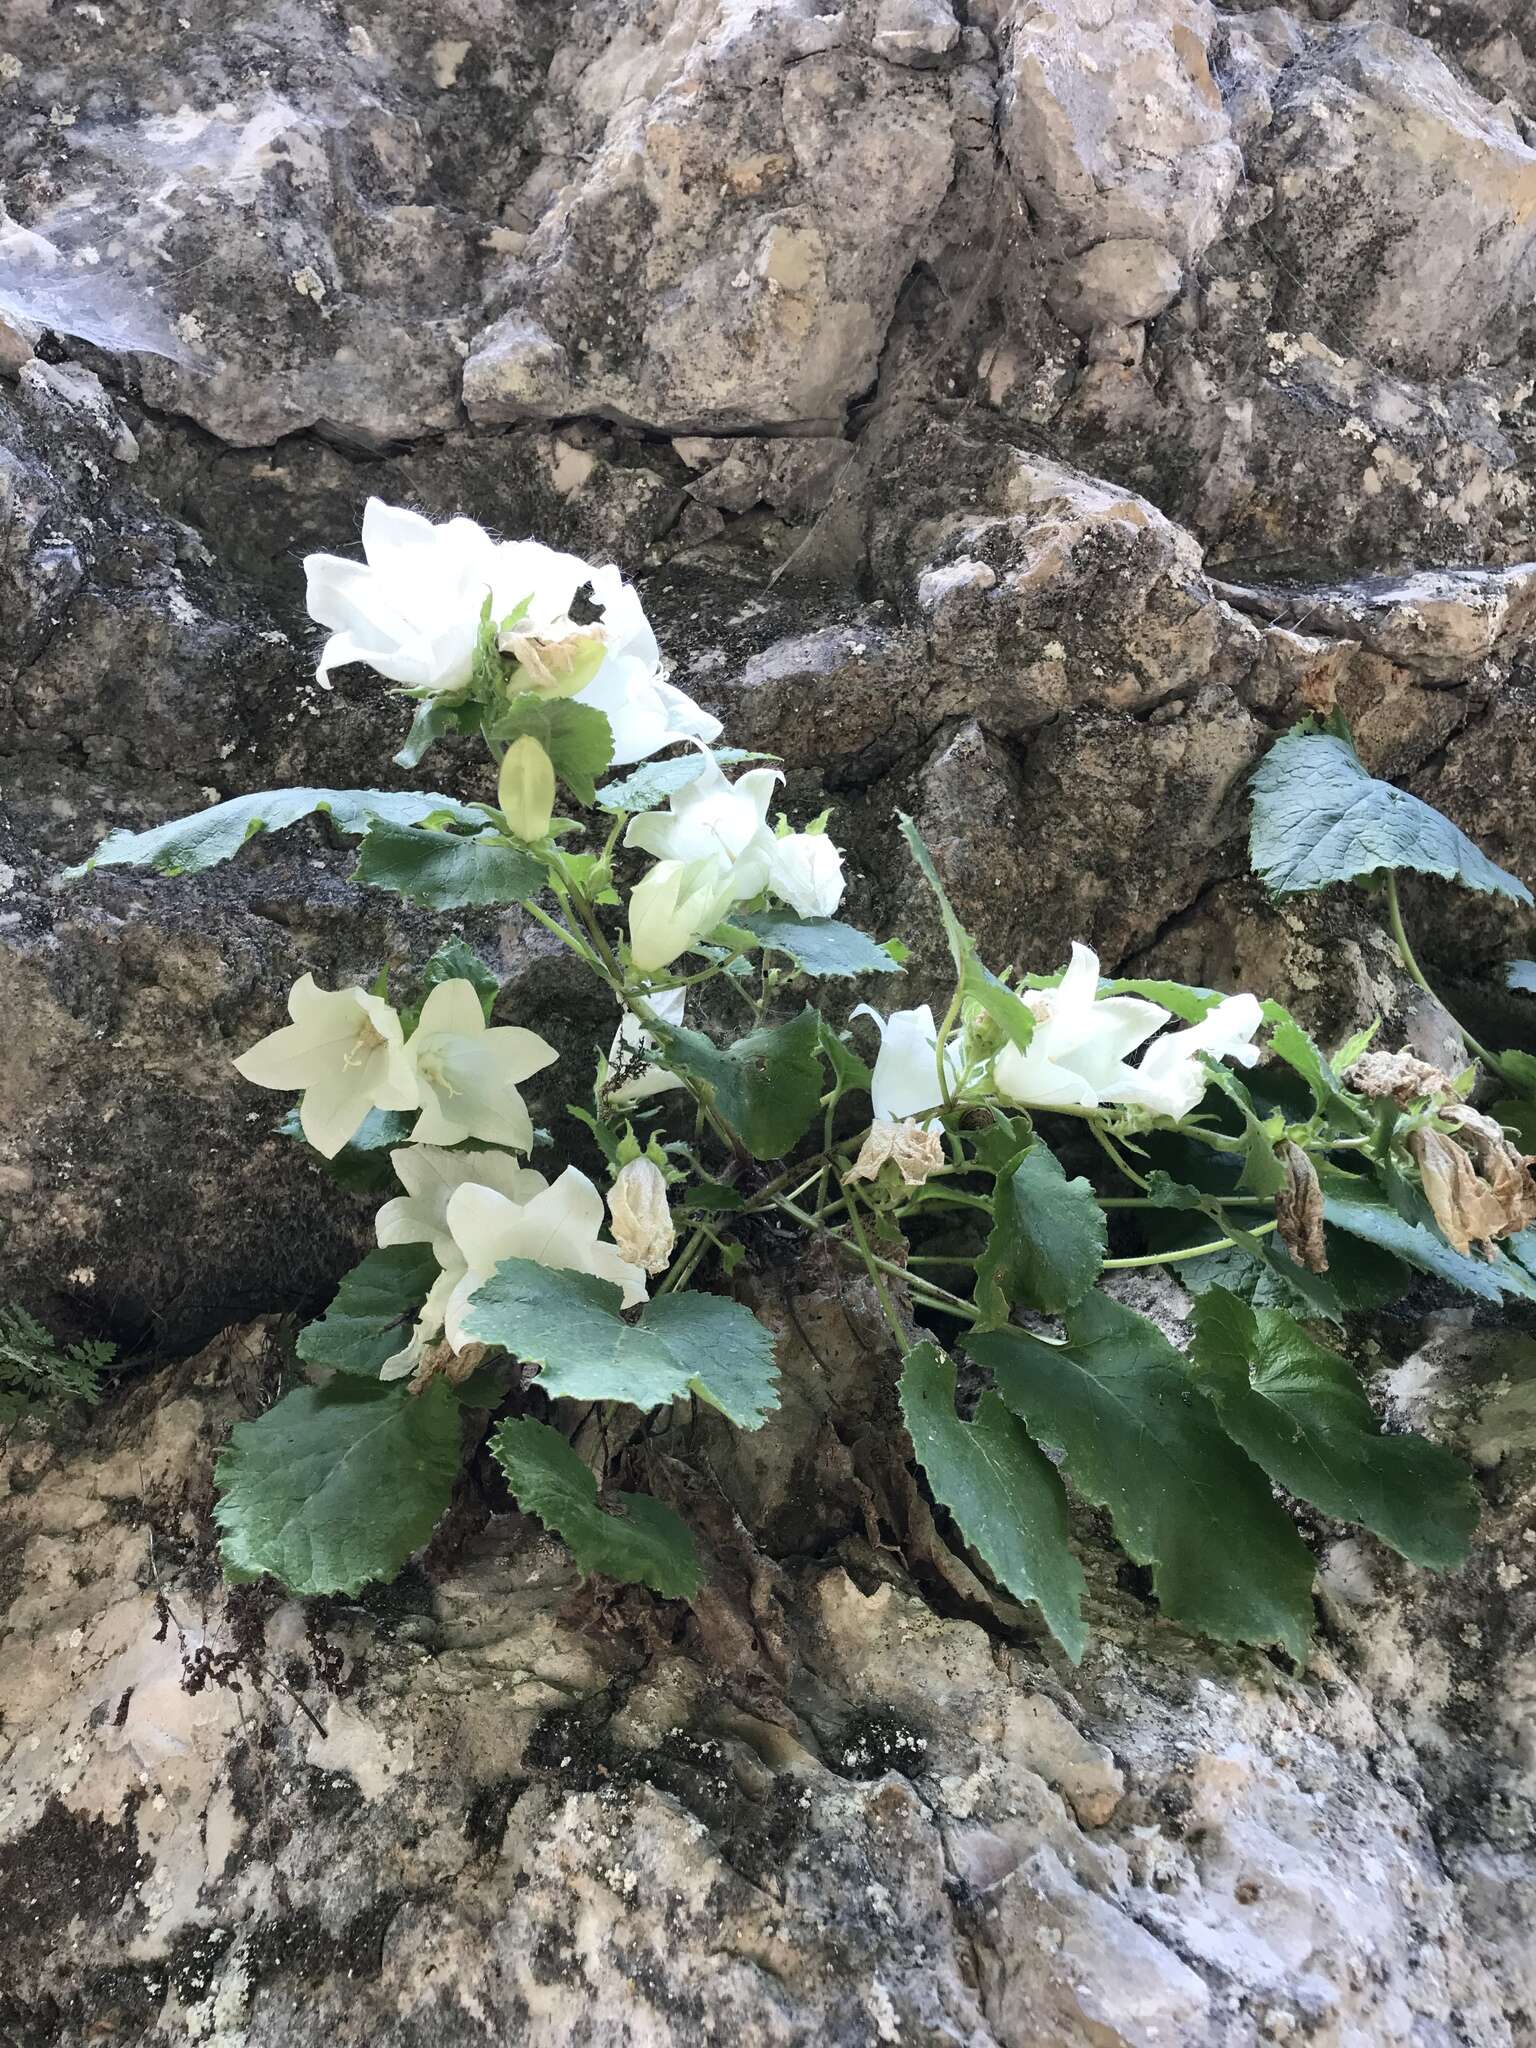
(631,1078)
(805,870)
(525,789)
(559,1227)
(420,1216)
(467,1072)
(412,608)
(713,818)
(1170,1079)
(345,1049)
(643,1228)
(672,907)
(906,1071)
(430,1176)
(428,1327)
(1076,1057)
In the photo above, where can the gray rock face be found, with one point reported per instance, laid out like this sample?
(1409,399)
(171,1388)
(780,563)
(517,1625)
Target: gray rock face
(1017,413)
(482,1810)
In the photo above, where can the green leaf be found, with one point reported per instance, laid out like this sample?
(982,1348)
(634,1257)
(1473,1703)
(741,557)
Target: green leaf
(1521,975)
(362,1166)
(1518,1112)
(1006,1009)
(569,1325)
(849,1072)
(997,1144)
(1003,1493)
(819,945)
(372,1314)
(1189,1005)
(435,718)
(336,1485)
(1318,818)
(188,845)
(654,781)
(1362,1275)
(443,870)
(1520,1068)
(713,1198)
(454,961)
(1362,1208)
(1311,1293)
(726,1351)
(1298,1410)
(1262,1172)
(646,1544)
(1118,1404)
(577,737)
(1047,1242)
(767,1086)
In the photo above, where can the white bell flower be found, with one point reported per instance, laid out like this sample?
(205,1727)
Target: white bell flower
(411,610)
(633,1043)
(345,1049)
(559,1227)
(468,1072)
(420,1216)
(906,1071)
(428,1327)
(806,870)
(1076,1058)
(711,817)
(673,906)
(430,1176)
(1170,1080)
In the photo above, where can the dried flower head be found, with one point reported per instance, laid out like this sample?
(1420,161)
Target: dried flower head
(1299,1209)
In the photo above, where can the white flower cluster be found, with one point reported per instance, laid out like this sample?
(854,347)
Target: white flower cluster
(714,848)
(1076,1057)
(413,610)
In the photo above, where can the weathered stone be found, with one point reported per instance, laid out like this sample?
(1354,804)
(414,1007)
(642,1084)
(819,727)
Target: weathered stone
(1019,414)
(454,1809)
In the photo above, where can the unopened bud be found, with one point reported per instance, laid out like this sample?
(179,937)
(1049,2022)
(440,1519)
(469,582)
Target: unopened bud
(526,791)
(642,1220)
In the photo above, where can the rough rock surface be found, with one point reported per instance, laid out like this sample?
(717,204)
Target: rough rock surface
(484,1809)
(1017,411)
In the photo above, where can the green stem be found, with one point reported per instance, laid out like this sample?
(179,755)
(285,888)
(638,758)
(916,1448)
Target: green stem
(941,1065)
(924,1292)
(1193,1251)
(684,1262)
(882,1289)
(1107,1144)
(1151,1202)
(569,938)
(1416,973)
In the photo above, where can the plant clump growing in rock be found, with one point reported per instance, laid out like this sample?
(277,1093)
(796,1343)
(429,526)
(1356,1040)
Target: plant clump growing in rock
(939,1158)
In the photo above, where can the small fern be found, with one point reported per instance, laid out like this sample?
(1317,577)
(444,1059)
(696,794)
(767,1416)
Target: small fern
(36,1372)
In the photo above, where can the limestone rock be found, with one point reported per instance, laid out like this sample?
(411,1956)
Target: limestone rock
(455,1809)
